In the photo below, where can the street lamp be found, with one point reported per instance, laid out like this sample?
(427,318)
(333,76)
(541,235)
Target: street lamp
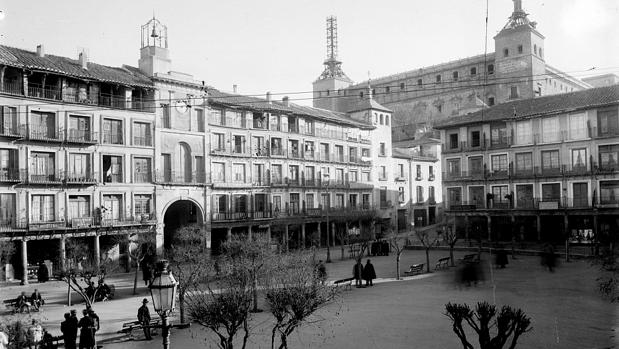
(163,292)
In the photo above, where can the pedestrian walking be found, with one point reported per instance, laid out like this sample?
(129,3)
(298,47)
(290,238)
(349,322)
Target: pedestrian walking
(357,273)
(42,272)
(548,257)
(369,274)
(87,331)
(69,331)
(144,319)
(147,273)
(501,257)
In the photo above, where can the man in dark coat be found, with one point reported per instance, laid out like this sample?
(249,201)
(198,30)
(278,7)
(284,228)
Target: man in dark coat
(87,331)
(147,274)
(69,331)
(368,273)
(357,273)
(42,273)
(37,299)
(144,318)
(23,303)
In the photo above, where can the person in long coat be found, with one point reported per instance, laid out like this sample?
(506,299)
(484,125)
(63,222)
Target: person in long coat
(87,331)
(147,274)
(357,273)
(69,331)
(42,273)
(369,274)
(144,319)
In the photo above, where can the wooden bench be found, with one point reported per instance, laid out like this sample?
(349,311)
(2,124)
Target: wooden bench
(442,263)
(470,258)
(346,282)
(415,269)
(129,327)
(11,305)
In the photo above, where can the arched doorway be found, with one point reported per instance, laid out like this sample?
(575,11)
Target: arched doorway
(179,214)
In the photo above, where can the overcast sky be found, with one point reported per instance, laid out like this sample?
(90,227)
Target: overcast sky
(280,45)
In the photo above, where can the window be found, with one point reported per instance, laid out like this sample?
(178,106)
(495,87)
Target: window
(239,203)
(142,170)
(339,200)
(550,129)
(165,116)
(535,48)
(524,162)
(366,177)
(142,134)
(476,166)
(499,193)
(453,167)
(276,174)
(418,170)
(499,163)
(324,151)
(438,79)
(365,153)
(387,90)
(382,151)
(402,86)
(387,120)
(609,156)
(166,160)
(474,71)
(294,173)
(498,134)
(490,101)
(218,172)
(578,126)
(238,144)
(475,139)
(381,119)
(112,169)
(550,160)
(9,167)
(382,175)
(365,200)
(42,125)
(325,200)
(455,76)
(541,54)
(454,195)
(608,122)
(505,52)
(419,191)
(419,82)
(580,193)
(513,92)
(519,49)
(431,172)
(579,158)
(112,131)
(238,173)
(431,197)
(219,142)
(352,200)
(43,208)
(453,141)
(401,194)
(141,205)
(523,132)
(79,128)
(609,192)
(8,120)
(309,201)
(439,108)
(42,167)
(79,207)
(353,176)
(383,197)
(235,118)
(551,192)
(490,69)
(199,119)
(352,154)
(277,147)
(524,195)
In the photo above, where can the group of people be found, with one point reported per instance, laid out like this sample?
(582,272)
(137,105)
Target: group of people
(88,325)
(23,303)
(367,273)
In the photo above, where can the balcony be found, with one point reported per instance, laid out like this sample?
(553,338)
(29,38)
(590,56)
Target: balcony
(431,177)
(81,136)
(10,175)
(549,171)
(12,131)
(43,133)
(452,176)
(181,178)
(453,147)
(605,132)
(498,143)
(80,178)
(498,174)
(142,177)
(278,151)
(523,173)
(295,154)
(240,216)
(142,141)
(44,178)
(401,177)
(112,138)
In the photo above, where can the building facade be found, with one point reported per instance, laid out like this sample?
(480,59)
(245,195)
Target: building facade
(540,169)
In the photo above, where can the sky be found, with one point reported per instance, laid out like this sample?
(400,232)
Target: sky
(280,45)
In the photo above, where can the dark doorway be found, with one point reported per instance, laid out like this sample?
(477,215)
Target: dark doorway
(179,214)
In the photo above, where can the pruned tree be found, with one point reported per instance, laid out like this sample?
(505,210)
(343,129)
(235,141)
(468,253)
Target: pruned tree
(225,310)
(87,280)
(140,247)
(608,262)
(450,237)
(189,259)
(398,244)
(427,241)
(254,254)
(508,322)
(7,249)
(294,294)
(342,236)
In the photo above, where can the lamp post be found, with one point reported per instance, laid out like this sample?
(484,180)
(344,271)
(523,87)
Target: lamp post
(163,292)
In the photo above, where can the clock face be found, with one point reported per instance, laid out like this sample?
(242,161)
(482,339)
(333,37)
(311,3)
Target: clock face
(181,106)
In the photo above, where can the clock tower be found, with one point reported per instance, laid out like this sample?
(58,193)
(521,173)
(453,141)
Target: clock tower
(154,53)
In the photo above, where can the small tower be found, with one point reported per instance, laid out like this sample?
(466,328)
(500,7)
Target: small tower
(154,53)
(332,81)
(519,57)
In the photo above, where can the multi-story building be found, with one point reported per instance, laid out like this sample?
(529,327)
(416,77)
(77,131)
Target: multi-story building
(538,169)
(517,69)
(76,147)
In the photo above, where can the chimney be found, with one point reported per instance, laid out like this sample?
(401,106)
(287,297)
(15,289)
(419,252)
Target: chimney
(286,101)
(269,97)
(234,88)
(83,60)
(40,50)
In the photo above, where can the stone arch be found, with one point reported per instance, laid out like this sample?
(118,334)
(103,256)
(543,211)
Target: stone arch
(179,212)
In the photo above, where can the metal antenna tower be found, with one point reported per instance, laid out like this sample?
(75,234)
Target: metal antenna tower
(333,67)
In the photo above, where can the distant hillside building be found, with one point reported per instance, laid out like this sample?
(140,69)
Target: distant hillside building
(516,70)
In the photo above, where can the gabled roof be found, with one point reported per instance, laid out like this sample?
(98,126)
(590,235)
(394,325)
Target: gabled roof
(540,106)
(19,58)
(369,103)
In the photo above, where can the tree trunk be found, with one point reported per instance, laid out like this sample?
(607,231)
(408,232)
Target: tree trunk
(135,279)
(451,255)
(69,294)
(255,293)
(397,265)
(567,249)
(342,249)
(427,259)
(181,301)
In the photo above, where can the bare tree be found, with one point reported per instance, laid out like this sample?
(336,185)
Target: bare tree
(608,261)
(87,280)
(451,238)
(6,251)
(294,294)
(140,246)
(225,310)
(188,258)
(398,244)
(427,242)
(509,322)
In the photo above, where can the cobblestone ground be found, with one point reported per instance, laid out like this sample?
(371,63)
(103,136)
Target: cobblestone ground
(565,309)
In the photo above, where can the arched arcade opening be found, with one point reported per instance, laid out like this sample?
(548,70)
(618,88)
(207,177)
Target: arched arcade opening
(179,214)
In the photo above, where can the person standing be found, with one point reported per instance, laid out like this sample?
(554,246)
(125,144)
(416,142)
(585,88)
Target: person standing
(42,272)
(87,331)
(144,319)
(35,334)
(369,274)
(4,340)
(322,272)
(69,331)
(357,273)
(146,272)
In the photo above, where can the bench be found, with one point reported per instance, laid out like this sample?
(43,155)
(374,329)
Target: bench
(347,283)
(128,327)
(11,305)
(442,263)
(470,258)
(415,269)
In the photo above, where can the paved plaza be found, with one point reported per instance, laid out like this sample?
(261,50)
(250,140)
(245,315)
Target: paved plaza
(565,309)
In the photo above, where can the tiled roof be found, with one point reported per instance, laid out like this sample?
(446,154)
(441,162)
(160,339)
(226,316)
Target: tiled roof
(262,105)
(416,142)
(554,104)
(369,103)
(20,58)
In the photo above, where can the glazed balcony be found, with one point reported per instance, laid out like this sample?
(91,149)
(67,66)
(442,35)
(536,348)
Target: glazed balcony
(11,175)
(81,136)
(84,177)
(45,178)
